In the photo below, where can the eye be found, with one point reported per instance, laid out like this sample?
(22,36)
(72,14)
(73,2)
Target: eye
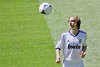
(73,20)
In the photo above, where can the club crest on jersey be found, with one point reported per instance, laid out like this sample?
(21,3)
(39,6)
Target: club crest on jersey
(68,41)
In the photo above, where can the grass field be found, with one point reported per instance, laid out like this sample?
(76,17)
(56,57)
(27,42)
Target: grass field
(25,39)
(28,38)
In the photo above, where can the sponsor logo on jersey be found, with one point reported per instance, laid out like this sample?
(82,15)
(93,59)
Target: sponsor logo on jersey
(73,47)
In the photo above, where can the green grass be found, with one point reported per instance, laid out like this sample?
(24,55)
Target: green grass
(27,37)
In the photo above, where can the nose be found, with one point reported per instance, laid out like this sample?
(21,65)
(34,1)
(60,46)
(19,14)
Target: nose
(71,23)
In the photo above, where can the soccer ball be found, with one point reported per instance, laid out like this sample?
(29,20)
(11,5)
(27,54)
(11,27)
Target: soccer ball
(45,8)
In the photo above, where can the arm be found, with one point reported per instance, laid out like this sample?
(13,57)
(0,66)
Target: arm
(58,56)
(58,48)
(83,52)
(84,46)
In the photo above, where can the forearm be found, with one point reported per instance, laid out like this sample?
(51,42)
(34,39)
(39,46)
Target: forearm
(58,56)
(57,53)
(83,52)
(84,48)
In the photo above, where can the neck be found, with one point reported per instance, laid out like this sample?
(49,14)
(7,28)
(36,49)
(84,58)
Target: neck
(74,31)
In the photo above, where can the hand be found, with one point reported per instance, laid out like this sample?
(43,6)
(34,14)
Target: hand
(83,54)
(58,60)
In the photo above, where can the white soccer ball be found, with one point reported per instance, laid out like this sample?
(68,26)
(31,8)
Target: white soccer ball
(45,8)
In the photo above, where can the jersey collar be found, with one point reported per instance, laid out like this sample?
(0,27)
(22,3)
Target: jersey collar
(72,34)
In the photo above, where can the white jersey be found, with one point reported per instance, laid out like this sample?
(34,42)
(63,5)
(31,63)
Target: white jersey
(72,45)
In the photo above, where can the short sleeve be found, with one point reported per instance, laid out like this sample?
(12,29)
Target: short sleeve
(60,42)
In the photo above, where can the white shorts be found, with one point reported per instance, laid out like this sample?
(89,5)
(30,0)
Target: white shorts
(71,64)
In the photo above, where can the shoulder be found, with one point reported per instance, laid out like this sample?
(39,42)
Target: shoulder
(65,33)
(62,36)
(82,32)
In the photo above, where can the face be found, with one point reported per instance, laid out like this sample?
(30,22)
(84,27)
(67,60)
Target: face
(73,22)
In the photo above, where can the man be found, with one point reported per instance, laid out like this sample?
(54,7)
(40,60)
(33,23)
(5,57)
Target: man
(73,43)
